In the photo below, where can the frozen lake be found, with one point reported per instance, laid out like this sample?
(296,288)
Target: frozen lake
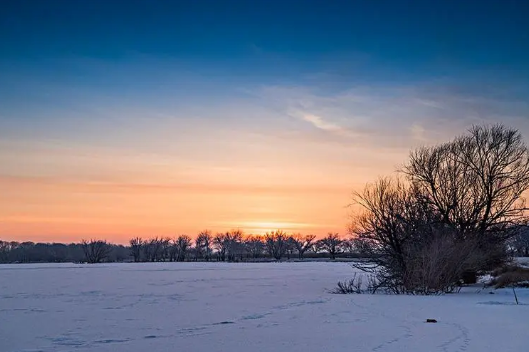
(240,307)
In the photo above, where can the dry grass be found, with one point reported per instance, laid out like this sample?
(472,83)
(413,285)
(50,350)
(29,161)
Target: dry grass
(510,276)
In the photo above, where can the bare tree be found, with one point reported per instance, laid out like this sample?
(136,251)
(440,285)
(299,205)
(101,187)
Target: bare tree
(229,245)
(135,248)
(331,244)
(95,251)
(254,246)
(155,249)
(276,243)
(29,252)
(393,225)
(182,245)
(221,246)
(203,244)
(235,248)
(5,250)
(166,244)
(461,202)
(476,183)
(302,243)
(290,247)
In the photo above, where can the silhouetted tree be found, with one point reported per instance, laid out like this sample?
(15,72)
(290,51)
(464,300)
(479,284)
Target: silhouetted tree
(235,248)
(182,245)
(203,244)
(6,249)
(221,245)
(254,246)
(135,247)
(330,244)
(29,252)
(476,183)
(95,251)
(276,243)
(302,243)
(461,202)
(166,249)
(154,249)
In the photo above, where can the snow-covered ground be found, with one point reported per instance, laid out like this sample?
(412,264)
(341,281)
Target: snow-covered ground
(241,307)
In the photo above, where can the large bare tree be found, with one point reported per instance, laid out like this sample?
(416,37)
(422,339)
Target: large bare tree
(461,199)
(302,243)
(95,251)
(476,181)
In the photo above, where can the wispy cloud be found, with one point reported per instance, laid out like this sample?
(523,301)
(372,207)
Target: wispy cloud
(398,115)
(318,122)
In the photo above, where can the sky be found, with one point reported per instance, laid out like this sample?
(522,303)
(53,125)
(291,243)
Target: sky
(157,118)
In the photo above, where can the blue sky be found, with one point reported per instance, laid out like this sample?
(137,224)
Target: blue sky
(169,53)
(410,39)
(254,93)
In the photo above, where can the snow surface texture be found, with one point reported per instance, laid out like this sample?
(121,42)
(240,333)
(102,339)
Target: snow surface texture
(241,307)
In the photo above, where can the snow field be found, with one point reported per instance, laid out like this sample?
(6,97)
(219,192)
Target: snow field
(241,307)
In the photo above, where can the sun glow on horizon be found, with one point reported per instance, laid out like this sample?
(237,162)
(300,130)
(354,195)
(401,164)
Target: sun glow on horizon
(262,227)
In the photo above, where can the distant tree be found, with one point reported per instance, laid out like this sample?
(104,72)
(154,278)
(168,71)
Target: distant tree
(355,245)
(331,244)
(95,251)
(75,253)
(119,253)
(203,244)
(57,253)
(182,245)
(5,250)
(302,243)
(153,249)
(276,243)
(235,248)
(136,245)
(29,252)
(221,246)
(254,246)
(166,249)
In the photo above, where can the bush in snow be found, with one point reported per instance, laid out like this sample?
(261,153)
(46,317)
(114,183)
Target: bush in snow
(509,276)
(451,216)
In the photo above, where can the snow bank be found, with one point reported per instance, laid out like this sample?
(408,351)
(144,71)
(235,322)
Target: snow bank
(241,307)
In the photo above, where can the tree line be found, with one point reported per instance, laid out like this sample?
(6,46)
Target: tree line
(229,246)
(232,246)
(30,252)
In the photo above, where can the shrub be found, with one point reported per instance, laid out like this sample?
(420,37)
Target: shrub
(353,285)
(510,276)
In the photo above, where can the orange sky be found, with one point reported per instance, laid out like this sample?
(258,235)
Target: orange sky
(57,192)
(280,158)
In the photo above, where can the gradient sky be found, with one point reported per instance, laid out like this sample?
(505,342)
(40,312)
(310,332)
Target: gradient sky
(126,118)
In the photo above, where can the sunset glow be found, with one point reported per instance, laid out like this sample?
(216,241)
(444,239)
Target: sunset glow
(156,126)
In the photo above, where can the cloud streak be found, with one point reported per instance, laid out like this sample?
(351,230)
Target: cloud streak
(318,122)
(399,116)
